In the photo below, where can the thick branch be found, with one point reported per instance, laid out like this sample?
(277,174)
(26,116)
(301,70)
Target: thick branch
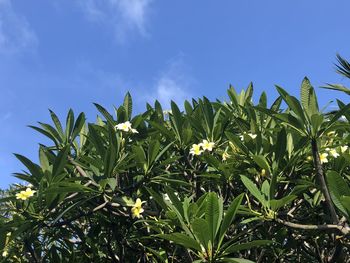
(344,230)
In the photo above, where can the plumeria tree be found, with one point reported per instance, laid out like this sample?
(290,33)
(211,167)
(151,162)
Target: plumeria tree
(212,181)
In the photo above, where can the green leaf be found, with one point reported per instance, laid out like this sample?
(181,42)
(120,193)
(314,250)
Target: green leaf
(182,240)
(229,217)
(64,187)
(60,162)
(337,188)
(79,124)
(281,145)
(47,134)
(345,201)
(253,189)
(265,189)
(237,142)
(169,134)
(153,150)
(338,115)
(213,214)
(278,203)
(238,247)
(308,98)
(128,105)
(105,114)
(52,131)
(33,168)
(337,87)
(57,122)
(262,162)
(96,139)
(292,122)
(69,124)
(44,161)
(236,260)
(316,122)
(293,104)
(176,120)
(201,229)
(175,200)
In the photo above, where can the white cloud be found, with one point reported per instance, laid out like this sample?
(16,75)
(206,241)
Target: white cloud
(123,16)
(168,89)
(16,35)
(174,83)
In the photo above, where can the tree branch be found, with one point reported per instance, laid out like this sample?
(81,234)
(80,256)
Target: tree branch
(343,229)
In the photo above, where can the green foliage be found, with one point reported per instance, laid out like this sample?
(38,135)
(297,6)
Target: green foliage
(222,181)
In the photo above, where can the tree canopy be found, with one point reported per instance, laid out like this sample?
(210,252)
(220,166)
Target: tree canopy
(212,181)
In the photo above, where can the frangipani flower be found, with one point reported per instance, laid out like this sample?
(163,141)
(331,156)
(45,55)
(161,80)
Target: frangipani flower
(334,153)
(5,253)
(225,155)
(343,148)
(207,146)
(251,135)
(196,149)
(125,126)
(24,195)
(137,209)
(323,158)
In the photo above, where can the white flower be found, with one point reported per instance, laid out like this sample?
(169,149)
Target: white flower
(166,197)
(137,209)
(207,145)
(196,149)
(134,130)
(251,135)
(5,253)
(334,153)
(24,195)
(323,158)
(126,126)
(343,148)
(225,155)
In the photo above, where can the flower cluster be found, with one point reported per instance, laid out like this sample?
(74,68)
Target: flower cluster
(198,149)
(126,126)
(332,152)
(24,195)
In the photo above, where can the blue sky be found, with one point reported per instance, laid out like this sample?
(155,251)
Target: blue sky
(63,54)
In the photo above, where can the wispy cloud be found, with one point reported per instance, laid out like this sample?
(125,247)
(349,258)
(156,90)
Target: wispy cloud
(6,116)
(122,16)
(16,35)
(174,83)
